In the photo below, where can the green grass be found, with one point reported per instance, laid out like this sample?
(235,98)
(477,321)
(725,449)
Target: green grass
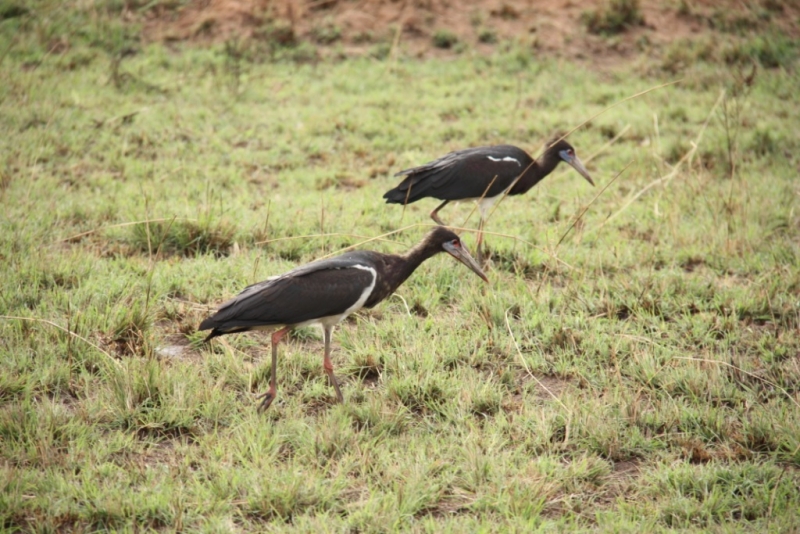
(640,376)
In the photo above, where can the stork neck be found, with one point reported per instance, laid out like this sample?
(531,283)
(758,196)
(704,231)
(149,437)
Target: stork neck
(412,259)
(536,172)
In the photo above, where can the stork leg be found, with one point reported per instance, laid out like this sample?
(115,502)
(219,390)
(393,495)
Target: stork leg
(479,245)
(435,213)
(328,364)
(269,396)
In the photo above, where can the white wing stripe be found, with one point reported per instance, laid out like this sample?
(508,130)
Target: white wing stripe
(333,320)
(367,291)
(507,158)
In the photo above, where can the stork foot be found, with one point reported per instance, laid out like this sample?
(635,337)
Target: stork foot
(335,384)
(333,381)
(483,256)
(328,365)
(268,397)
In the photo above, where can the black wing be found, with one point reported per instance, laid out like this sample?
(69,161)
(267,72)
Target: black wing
(313,291)
(462,174)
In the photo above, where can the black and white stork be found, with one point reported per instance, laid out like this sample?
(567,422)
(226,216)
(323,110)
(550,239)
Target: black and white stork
(325,292)
(483,174)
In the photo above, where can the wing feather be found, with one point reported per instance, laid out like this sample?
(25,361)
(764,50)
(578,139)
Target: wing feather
(462,174)
(304,294)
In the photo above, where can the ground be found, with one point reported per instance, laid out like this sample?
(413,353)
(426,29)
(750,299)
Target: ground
(632,366)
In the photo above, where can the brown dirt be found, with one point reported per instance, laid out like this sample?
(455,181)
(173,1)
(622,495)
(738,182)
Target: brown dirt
(548,386)
(353,27)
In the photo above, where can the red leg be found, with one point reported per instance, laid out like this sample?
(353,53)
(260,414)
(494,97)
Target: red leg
(435,213)
(479,252)
(269,396)
(328,365)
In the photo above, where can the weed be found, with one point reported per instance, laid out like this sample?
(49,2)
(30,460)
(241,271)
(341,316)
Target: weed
(506,11)
(187,238)
(364,37)
(444,39)
(614,17)
(420,398)
(763,143)
(303,52)
(684,53)
(327,33)
(476,18)
(734,21)
(234,51)
(131,328)
(716,494)
(770,52)
(278,33)
(487,35)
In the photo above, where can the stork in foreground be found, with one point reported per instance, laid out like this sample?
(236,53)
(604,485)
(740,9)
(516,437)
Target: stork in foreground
(325,292)
(483,174)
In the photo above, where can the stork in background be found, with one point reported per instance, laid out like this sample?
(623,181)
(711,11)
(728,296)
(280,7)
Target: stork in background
(483,174)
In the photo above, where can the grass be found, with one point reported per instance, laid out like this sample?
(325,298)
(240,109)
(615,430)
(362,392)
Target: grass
(640,375)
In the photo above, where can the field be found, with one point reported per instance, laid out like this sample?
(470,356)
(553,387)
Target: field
(633,366)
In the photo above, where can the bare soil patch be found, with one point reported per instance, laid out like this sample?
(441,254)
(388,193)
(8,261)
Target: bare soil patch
(425,28)
(549,386)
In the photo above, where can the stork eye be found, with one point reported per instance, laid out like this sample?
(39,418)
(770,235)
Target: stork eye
(455,243)
(570,152)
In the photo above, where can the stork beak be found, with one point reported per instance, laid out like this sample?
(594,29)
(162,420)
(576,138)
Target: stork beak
(462,254)
(576,164)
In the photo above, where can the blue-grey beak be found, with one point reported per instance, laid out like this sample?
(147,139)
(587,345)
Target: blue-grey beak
(576,164)
(462,254)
